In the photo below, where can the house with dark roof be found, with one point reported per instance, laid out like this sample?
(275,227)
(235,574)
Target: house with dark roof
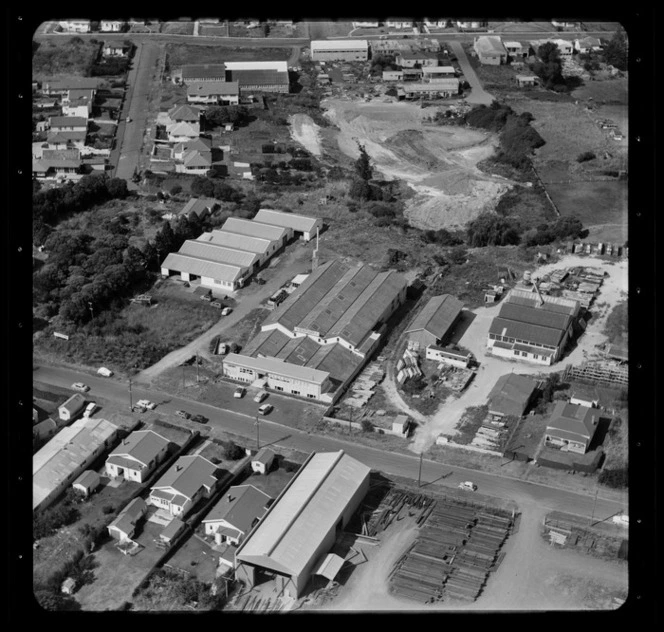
(184,484)
(533,327)
(572,427)
(236,513)
(490,50)
(87,482)
(124,525)
(511,395)
(68,124)
(201,207)
(435,321)
(213,92)
(137,456)
(411,59)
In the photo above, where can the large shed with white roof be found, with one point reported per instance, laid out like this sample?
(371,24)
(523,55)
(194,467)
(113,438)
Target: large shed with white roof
(291,542)
(339,50)
(302,226)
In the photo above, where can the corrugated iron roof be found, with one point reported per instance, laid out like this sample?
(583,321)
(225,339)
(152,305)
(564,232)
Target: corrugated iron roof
(239,507)
(212,88)
(221,254)
(437,316)
(535,315)
(142,446)
(491,44)
(254,229)
(278,367)
(258,77)
(577,420)
(323,45)
(202,267)
(292,532)
(510,394)
(68,121)
(235,240)
(212,71)
(299,223)
(526,331)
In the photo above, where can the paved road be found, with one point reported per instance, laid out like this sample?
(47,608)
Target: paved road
(478,93)
(522,492)
(130,135)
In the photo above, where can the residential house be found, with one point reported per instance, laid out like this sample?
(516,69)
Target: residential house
(433,73)
(183,113)
(110,26)
(112,49)
(62,86)
(392,75)
(236,513)
(75,26)
(195,161)
(200,207)
(68,124)
(80,108)
(470,24)
(398,23)
(527,81)
(432,90)
(124,525)
(435,321)
(87,483)
(55,167)
(511,395)
(365,24)
(583,395)
(214,92)
(262,461)
(184,484)
(71,408)
(572,427)
(565,47)
(180,150)
(182,132)
(490,50)
(137,456)
(516,51)
(66,140)
(587,45)
(437,23)
(408,59)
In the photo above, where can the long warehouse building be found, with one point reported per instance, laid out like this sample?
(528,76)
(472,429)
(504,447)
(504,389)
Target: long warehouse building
(339,50)
(291,542)
(319,338)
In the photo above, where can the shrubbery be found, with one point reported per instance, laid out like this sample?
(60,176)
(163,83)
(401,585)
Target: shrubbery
(615,478)
(585,156)
(493,230)
(50,520)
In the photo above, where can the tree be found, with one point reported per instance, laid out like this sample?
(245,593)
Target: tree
(366,425)
(492,230)
(233,451)
(458,255)
(615,52)
(175,189)
(165,239)
(363,165)
(202,186)
(52,600)
(360,190)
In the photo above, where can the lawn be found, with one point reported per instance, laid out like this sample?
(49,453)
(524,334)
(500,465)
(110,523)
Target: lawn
(182,54)
(601,207)
(177,28)
(616,324)
(272,484)
(323,30)
(609,91)
(209,30)
(195,558)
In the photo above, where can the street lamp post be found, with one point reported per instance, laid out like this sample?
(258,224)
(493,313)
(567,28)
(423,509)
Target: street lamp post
(257,434)
(419,476)
(92,314)
(131,406)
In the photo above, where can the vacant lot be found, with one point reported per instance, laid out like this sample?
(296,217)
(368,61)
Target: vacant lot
(178,28)
(196,559)
(72,57)
(601,207)
(213,30)
(181,54)
(322,30)
(609,91)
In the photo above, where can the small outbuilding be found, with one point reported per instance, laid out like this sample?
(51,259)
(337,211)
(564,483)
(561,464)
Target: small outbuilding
(511,395)
(124,525)
(171,531)
(68,586)
(87,482)
(524,81)
(262,462)
(72,407)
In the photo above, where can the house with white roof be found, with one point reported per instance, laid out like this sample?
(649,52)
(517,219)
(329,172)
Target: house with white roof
(213,92)
(490,50)
(137,456)
(110,26)
(75,26)
(72,407)
(184,484)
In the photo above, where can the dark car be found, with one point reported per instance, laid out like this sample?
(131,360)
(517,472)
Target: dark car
(200,419)
(182,413)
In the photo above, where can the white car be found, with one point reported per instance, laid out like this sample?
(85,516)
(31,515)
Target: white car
(239,392)
(89,409)
(468,485)
(265,409)
(145,403)
(226,311)
(105,372)
(260,396)
(79,386)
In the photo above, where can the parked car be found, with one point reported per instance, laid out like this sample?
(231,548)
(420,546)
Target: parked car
(79,386)
(260,396)
(467,485)
(265,409)
(183,413)
(89,409)
(239,392)
(128,119)
(206,297)
(145,403)
(226,311)
(216,304)
(105,372)
(199,419)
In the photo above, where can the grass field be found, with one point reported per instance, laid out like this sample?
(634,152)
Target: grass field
(610,91)
(321,30)
(177,28)
(601,207)
(52,59)
(181,54)
(196,559)
(213,30)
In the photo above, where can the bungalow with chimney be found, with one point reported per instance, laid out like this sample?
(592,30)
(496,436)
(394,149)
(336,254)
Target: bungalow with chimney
(184,484)
(137,456)
(572,427)
(236,513)
(213,92)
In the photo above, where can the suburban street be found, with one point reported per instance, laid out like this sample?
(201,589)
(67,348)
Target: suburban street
(521,492)
(477,93)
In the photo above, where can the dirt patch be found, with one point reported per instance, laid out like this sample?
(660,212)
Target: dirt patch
(438,163)
(305,132)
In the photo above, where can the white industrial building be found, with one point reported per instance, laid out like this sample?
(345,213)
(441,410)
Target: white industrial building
(339,50)
(302,226)
(291,543)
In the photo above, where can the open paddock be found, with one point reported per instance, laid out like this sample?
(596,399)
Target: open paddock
(182,54)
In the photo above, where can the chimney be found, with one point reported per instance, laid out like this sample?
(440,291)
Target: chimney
(536,284)
(230,498)
(178,468)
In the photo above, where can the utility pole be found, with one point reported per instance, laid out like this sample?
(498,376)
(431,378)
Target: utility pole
(183,376)
(197,368)
(419,476)
(92,314)
(350,421)
(257,434)
(592,518)
(131,406)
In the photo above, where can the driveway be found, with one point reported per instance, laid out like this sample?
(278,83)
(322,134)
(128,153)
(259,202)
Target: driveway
(294,260)
(478,94)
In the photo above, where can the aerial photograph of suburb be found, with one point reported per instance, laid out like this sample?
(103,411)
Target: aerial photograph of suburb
(329,315)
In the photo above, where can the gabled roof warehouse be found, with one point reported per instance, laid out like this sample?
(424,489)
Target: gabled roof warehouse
(204,71)
(304,521)
(67,454)
(437,316)
(299,223)
(254,229)
(218,253)
(202,267)
(212,88)
(510,394)
(235,240)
